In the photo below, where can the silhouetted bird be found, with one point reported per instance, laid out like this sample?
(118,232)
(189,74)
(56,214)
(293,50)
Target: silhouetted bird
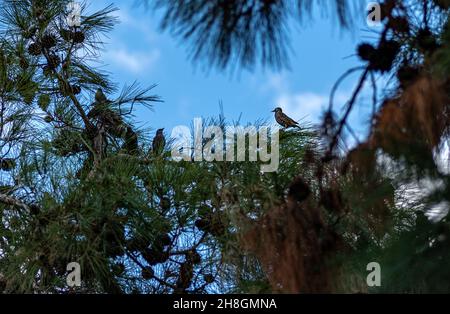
(100,96)
(110,119)
(158,142)
(131,143)
(99,104)
(283,119)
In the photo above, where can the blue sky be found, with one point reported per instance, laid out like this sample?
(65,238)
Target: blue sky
(137,51)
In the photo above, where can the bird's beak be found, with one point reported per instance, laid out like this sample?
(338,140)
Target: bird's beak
(273,110)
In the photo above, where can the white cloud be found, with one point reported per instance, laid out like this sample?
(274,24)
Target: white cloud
(135,62)
(137,23)
(302,105)
(299,104)
(132,47)
(276,82)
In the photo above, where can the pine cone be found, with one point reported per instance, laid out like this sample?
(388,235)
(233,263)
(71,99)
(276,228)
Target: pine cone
(48,119)
(426,40)
(366,51)
(53,61)
(193,257)
(7,164)
(165,203)
(24,64)
(118,269)
(208,278)
(385,55)
(147,273)
(76,89)
(154,256)
(163,240)
(35,49)
(47,71)
(202,224)
(78,37)
(48,41)
(29,33)
(66,34)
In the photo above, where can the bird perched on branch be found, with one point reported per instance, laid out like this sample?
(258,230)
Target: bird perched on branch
(99,104)
(283,120)
(131,141)
(100,96)
(158,142)
(112,120)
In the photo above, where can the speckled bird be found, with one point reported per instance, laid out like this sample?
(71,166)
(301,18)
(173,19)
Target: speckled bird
(158,141)
(100,96)
(283,120)
(99,104)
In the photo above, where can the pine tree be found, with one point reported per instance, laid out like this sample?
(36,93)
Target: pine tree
(62,191)
(80,183)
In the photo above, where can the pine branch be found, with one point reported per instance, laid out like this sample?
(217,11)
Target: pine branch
(133,94)
(8,200)
(343,121)
(228,33)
